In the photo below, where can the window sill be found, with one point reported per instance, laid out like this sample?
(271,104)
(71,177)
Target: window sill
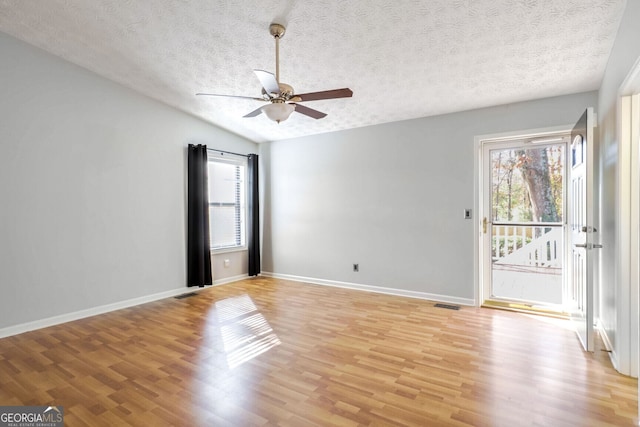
(228,250)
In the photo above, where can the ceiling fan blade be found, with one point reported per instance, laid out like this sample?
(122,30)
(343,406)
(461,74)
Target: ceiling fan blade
(231,96)
(326,94)
(254,113)
(268,81)
(314,114)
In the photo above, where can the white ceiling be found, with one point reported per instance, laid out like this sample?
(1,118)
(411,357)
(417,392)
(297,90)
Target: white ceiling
(403,59)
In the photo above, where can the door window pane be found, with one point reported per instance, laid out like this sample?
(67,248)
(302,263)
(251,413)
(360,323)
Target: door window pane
(527,184)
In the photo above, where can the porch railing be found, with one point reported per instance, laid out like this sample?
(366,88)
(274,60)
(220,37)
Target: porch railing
(530,245)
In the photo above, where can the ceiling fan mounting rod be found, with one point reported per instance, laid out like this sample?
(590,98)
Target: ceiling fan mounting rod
(277,31)
(278,59)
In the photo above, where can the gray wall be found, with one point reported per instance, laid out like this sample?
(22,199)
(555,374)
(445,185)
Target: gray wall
(92,187)
(389,197)
(614,295)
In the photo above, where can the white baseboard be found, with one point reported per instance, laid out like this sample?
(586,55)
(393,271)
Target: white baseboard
(229,279)
(81,314)
(378,289)
(608,345)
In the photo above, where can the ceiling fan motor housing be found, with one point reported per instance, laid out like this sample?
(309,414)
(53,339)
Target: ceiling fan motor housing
(286,93)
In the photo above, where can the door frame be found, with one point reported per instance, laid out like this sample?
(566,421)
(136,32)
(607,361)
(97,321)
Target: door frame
(479,195)
(625,355)
(628,231)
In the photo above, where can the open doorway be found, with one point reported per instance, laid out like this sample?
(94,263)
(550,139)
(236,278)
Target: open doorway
(524,199)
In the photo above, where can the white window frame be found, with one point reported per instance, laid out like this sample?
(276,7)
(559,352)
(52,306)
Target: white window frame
(225,158)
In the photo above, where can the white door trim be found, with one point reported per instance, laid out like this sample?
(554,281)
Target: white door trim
(625,353)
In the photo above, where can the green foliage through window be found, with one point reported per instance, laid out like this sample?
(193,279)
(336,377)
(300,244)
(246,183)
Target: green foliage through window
(527,184)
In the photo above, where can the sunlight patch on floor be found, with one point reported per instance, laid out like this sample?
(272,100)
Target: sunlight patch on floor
(245,331)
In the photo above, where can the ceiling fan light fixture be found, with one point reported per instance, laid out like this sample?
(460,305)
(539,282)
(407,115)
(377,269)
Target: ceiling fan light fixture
(278,111)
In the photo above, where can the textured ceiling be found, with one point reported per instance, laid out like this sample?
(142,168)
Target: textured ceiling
(403,59)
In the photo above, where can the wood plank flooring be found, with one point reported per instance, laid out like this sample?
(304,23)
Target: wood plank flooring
(266,352)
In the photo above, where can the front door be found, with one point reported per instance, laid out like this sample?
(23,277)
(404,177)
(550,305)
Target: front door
(582,230)
(524,224)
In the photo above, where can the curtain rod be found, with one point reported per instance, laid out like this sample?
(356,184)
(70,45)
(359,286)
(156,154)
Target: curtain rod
(228,152)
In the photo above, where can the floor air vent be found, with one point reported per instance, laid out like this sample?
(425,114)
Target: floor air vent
(448,306)
(190,294)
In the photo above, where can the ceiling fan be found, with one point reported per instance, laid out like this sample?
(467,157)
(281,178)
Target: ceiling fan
(280,96)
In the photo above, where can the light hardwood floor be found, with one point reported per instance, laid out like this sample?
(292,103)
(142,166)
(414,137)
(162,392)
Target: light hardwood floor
(273,352)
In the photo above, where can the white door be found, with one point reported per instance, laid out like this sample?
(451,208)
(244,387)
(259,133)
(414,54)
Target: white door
(582,230)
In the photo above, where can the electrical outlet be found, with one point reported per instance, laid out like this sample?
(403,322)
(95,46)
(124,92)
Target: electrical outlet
(227,263)
(356,268)
(467,214)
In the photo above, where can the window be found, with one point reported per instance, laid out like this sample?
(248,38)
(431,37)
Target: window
(227,201)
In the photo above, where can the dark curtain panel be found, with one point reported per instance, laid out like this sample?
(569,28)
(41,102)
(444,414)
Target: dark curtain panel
(198,247)
(253,228)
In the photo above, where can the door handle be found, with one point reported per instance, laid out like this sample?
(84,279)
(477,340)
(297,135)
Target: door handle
(588,246)
(485,223)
